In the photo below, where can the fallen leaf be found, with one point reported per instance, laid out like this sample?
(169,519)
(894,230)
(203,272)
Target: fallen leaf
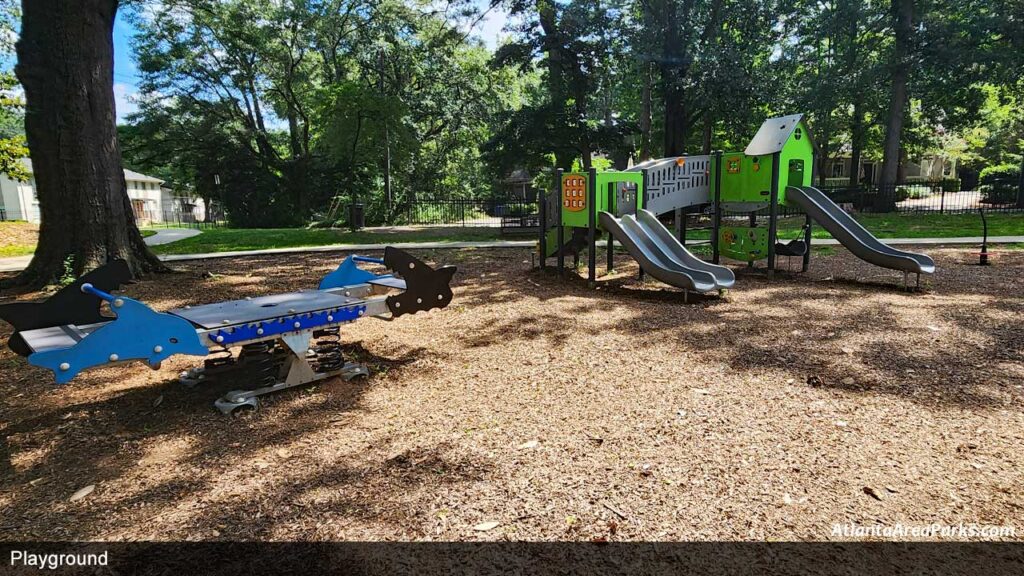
(485,526)
(787,499)
(159,400)
(841,423)
(82,493)
(871,492)
(933,328)
(848,381)
(283,453)
(847,351)
(977,465)
(529,445)
(891,489)
(701,391)
(790,381)
(36,482)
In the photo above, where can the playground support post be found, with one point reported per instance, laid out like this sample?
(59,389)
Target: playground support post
(561,228)
(773,212)
(716,219)
(807,242)
(592,227)
(641,202)
(680,226)
(545,197)
(611,239)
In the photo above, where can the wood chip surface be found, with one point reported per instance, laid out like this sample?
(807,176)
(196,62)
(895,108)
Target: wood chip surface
(653,419)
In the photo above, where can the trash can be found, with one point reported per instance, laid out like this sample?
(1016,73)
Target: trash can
(356,216)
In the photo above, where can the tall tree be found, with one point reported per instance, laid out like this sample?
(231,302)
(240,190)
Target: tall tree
(65,63)
(903,15)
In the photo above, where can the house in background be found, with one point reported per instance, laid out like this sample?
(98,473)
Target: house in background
(150,201)
(519,185)
(929,168)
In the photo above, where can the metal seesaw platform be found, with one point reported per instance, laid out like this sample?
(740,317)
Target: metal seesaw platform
(284,340)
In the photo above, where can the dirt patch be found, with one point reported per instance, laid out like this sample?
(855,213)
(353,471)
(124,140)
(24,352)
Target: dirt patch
(535,408)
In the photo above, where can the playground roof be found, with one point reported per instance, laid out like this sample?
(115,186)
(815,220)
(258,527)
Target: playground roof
(773,134)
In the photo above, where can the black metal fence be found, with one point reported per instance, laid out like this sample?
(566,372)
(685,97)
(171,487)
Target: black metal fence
(505,213)
(939,197)
(180,219)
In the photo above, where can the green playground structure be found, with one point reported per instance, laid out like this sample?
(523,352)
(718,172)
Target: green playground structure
(733,188)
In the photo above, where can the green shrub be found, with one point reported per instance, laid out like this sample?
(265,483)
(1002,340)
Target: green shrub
(915,191)
(950,184)
(1000,174)
(1000,184)
(999,193)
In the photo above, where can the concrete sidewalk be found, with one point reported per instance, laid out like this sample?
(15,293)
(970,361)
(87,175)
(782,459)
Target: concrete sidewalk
(168,235)
(19,263)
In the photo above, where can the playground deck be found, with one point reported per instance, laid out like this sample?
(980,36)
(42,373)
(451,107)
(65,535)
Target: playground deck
(556,412)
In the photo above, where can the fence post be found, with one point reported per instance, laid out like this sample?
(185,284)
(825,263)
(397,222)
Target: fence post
(942,199)
(1020,185)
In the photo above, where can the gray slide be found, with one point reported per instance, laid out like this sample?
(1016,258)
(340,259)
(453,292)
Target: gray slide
(656,259)
(855,237)
(670,245)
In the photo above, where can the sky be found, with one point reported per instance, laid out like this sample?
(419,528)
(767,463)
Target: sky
(126,74)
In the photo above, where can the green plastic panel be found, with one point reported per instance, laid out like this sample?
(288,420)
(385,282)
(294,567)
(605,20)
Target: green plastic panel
(745,178)
(748,179)
(743,243)
(576,194)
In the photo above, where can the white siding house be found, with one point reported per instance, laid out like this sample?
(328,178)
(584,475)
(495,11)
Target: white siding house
(18,200)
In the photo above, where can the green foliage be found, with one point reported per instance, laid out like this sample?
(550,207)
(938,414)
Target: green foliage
(299,103)
(12,127)
(1000,184)
(1000,173)
(296,105)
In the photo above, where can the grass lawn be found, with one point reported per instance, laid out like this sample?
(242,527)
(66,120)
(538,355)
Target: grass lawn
(883,225)
(18,238)
(230,239)
(910,226)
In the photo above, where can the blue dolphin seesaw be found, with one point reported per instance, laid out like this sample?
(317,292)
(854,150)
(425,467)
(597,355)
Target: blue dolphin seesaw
(282,341)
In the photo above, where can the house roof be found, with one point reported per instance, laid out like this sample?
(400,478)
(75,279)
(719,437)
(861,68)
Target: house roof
(520,175)
(129,175)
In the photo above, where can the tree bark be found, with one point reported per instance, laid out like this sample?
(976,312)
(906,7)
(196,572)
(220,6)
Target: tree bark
(903,10)
(645,113)
(65,63)
(673,72)
(709,125)
(857,141)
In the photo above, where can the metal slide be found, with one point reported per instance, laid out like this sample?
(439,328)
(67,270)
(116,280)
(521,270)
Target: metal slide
(667,241)
(855,237)
(645,243)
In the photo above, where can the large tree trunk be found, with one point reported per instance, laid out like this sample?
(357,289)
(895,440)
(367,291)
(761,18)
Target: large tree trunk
(673,73)
(65,63)
(903,10)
